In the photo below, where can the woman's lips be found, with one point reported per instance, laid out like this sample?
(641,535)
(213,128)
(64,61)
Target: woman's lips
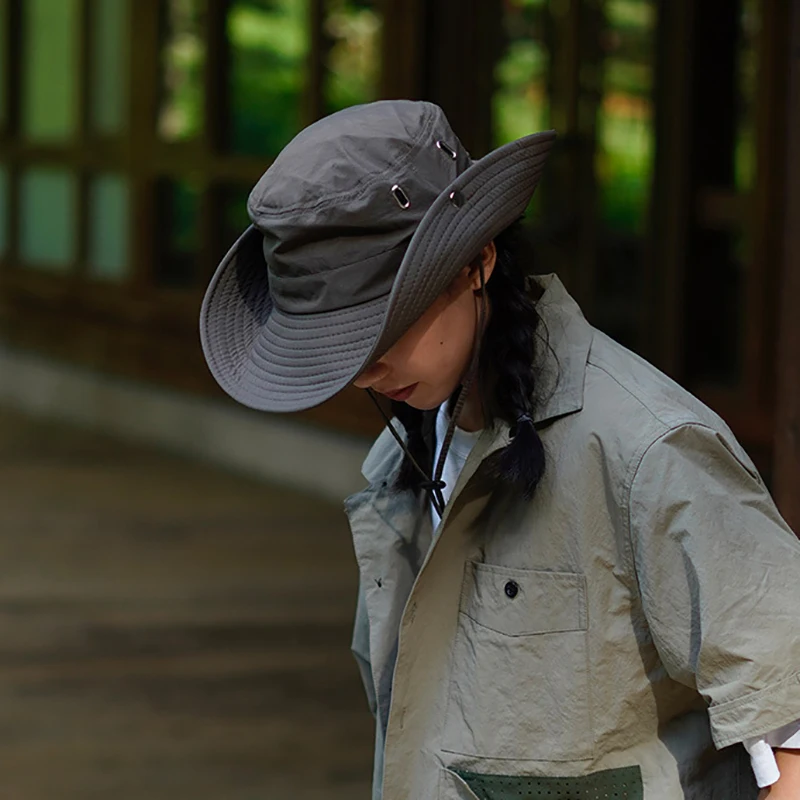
(402,394)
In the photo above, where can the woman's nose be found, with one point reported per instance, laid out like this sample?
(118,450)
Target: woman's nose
(371,375)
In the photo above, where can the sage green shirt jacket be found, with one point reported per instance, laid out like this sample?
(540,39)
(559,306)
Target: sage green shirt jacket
(618,636)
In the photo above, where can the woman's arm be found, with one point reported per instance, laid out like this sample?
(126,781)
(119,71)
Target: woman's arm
(788,785)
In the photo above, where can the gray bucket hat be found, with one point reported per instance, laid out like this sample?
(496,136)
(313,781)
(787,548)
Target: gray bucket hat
(359,224)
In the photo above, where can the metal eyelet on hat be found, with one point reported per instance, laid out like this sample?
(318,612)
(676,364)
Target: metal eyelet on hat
(456,198)
(445,148)
(400,196)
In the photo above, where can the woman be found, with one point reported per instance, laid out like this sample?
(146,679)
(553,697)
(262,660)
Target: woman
(573,580)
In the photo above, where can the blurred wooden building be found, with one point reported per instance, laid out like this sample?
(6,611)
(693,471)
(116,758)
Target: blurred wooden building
(132,130)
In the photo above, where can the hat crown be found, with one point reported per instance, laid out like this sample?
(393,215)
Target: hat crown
(342,200)
(327,248)
(342,154)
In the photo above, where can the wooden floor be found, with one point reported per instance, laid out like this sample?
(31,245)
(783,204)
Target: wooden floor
(170,631)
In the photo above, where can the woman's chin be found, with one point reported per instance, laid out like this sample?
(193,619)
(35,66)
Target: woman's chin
(427,401)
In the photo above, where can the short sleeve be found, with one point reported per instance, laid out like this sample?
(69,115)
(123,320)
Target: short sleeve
(718,570)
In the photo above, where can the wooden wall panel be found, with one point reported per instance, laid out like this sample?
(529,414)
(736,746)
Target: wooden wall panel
(138,330)
(402,65)
(463,39)
(153,343)
(787,440)
(666,262)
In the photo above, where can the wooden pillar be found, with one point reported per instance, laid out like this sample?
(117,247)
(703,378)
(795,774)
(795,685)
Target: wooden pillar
(463,40)
(669,224)
(714,293)
(787,439)
(402,50)
(575,92)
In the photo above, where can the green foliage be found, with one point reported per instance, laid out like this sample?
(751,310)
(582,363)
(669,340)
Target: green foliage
(181,115)
(625,129)
(520,102)
(269,44)
(353,61)
(624,170)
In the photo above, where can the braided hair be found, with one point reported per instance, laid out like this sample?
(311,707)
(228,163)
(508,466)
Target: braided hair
(506,378)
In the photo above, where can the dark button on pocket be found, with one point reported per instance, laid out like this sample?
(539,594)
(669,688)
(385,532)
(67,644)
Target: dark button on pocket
(512,589)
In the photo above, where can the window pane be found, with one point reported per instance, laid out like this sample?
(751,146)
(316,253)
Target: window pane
(183,56)
(50,69)
(108,227)
(520,103)
(3,209)
(624,153)
(48,218)
(625,132)
(268,41)
(178,211)
(352,66)
(109,72)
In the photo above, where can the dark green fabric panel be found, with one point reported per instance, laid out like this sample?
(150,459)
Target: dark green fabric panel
(614,784)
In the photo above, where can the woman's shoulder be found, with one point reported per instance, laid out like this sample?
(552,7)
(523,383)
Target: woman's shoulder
(629,404)
(631,409)
(631,391)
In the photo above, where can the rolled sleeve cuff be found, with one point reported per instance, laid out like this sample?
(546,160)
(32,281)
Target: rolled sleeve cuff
(756,714)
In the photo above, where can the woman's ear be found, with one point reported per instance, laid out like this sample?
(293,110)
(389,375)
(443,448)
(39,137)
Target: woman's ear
(488,256)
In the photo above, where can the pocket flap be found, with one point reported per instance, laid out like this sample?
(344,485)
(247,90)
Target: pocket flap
(520,602)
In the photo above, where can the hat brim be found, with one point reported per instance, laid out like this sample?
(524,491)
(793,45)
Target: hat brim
(489,195)
(273,361)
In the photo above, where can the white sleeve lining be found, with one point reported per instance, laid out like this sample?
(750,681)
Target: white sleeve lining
(762,759)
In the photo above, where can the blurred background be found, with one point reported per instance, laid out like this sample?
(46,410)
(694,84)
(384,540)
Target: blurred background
(176,577)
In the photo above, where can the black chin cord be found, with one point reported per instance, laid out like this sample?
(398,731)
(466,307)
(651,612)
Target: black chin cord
(435,485)
(397,436)
(463,393)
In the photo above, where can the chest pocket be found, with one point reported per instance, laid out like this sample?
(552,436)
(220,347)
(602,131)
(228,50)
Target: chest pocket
(519,680)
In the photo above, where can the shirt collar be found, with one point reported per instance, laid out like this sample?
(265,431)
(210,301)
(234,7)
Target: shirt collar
(564,340)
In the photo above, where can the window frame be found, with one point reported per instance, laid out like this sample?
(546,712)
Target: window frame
(135,328)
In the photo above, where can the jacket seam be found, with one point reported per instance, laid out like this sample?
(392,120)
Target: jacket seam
(636,461)
(523,634)
(353,192)
(737,701)
(630,479)
(402,244)
(451,659)
(636,464)
(549,760)
(627,390)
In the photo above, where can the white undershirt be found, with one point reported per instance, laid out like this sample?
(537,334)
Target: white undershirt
(762,757)
(460,447)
